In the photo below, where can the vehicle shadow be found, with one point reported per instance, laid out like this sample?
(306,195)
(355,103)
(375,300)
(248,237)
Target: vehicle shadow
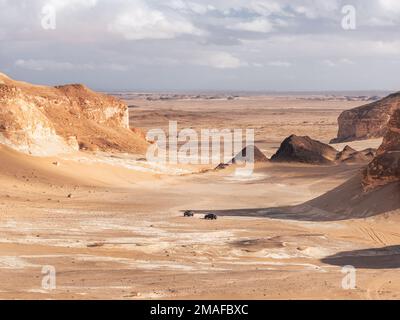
(380,258)
(348,201)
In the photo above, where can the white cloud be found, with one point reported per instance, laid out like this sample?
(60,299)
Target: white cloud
(191,7)
(338,62)
(392,6)
(388,15)
(72,4)
(219,60)
(143,22)
(257,33)
(256,25)
(328,63)
(346,61)
(284,64)
(313,9)
(384,47)
(317,47)
(41,65)
(51,65)
(380,22)
(266,8)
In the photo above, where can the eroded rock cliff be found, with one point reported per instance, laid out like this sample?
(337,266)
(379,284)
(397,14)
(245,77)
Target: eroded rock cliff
(385,168)
(42,120)
(366,122)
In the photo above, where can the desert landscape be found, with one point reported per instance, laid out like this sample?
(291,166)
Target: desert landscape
(78,195)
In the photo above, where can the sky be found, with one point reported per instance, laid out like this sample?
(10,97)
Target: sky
(200,45)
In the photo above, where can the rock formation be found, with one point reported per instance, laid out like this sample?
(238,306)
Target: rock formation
(42,120)
(385,168)
(345,153)
(368,121)
(250,154)
(348,155)
(306,150)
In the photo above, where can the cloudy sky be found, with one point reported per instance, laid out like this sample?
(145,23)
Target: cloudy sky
(256,45)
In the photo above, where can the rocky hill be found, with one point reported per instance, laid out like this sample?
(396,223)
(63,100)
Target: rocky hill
(42,120)
(306,150)
(368,121)
(251,154)
(385,168)
(348,154)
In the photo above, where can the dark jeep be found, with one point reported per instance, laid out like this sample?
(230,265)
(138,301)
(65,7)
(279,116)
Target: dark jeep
(188,214)
(210,216)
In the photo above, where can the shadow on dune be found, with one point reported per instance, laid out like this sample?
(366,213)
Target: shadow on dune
(381,258)
(348,201)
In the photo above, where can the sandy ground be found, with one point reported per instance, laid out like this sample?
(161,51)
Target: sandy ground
(113,228)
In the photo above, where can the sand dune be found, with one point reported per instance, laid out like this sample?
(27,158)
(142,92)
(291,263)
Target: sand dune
(349,201)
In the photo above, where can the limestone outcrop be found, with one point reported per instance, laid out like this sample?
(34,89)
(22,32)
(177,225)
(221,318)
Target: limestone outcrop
(41,120)
(368,121)
(385,168)
(305,150)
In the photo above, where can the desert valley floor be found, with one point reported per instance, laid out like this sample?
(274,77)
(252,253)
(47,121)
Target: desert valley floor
(113,226)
